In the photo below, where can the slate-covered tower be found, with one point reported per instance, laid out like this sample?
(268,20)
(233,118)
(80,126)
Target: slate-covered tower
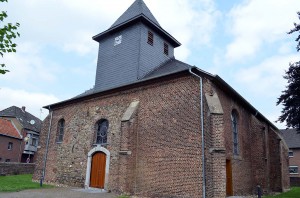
(131,48)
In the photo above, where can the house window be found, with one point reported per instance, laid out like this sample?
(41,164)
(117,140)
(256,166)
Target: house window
(0,159)
(166,49)
(60,131)
(150,38)
(10,146)
(293,169)
(101,131)
(7,160)
(234,120)
(291,154)
(34,142)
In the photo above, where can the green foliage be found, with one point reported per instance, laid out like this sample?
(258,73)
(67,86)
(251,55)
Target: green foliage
(290,98)
(293,193)
(123,196)
(8,32)
(17,183)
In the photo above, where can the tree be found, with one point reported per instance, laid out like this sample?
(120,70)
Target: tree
(290,98)
(8,32)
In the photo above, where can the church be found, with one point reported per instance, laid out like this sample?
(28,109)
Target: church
(153,126)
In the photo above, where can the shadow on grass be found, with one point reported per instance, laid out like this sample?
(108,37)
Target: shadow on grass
(15,183)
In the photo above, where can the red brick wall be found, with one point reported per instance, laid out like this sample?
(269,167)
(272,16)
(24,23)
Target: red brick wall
(295,161)
(259,159)
(14,154)
(166,144)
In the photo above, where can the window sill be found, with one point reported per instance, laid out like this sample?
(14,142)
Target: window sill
(294,173)
(237,157)
(101,144)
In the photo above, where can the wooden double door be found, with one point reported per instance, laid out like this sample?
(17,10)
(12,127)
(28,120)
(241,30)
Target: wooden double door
(98,170)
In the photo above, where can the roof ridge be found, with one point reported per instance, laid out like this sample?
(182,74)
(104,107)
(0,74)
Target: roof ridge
(137,8)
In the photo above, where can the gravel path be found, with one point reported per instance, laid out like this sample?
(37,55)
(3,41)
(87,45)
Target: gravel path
(58,193)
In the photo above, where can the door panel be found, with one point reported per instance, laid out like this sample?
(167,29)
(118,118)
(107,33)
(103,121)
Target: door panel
(98,170)
(229,187)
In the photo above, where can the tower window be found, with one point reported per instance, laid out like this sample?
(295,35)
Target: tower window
(150,38)
(166,49)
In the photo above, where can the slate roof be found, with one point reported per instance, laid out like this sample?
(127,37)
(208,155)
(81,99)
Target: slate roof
(24,118)
(291,137)
(171,66)
(137,8)
(137,12)
(8,129)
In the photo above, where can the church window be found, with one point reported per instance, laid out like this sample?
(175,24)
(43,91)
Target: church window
(60,130)
(166,49)
(150,38)
(234,120)
(101,132)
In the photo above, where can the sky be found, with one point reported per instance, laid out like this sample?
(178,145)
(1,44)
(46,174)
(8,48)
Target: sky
(245,42)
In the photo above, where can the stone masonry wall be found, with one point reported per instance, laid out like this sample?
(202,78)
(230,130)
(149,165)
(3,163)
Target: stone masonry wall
(16,168)
(165,147)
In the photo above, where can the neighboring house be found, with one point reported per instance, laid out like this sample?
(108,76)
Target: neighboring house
(292,138)
(29,128)
(10,142)
(152,127)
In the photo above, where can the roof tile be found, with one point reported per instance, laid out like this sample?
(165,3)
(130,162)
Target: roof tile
(8,129)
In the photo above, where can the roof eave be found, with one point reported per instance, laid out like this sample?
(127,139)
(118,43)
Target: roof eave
(144,19)
(123,87)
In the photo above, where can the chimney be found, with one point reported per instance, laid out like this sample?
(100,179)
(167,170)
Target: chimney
(23,108)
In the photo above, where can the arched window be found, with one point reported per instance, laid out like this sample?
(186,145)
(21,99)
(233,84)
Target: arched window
(60,130)
(234,120)
(101,131)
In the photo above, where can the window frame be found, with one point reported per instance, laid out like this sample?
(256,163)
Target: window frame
(292,153)
(235,132)
(10,146)
(60,131)
(150,39)
(166,49)
(294,167)
(99,137)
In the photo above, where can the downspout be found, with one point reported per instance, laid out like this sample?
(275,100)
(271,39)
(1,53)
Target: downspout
(47,145)
(202,134)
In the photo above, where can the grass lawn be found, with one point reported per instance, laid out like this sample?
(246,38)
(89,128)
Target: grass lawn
(16,183)
(293,193)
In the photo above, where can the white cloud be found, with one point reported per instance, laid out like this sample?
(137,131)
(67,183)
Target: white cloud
(255,22)
(192,22)
(70,24)
(32,101)
(27,68)
(266,78)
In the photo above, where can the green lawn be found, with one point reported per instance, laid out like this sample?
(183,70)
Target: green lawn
(16,183)
(293,193)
